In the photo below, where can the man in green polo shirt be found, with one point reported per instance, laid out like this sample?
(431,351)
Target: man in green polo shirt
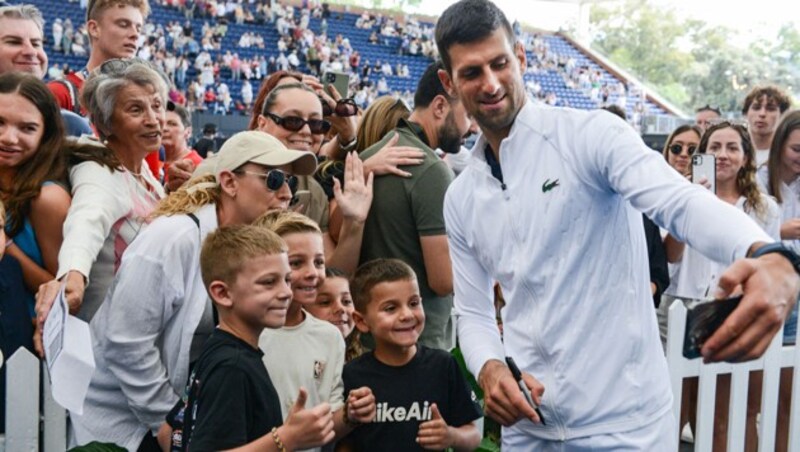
(406,220)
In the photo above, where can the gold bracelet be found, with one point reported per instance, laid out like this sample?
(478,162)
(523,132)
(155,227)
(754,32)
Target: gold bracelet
(277,440)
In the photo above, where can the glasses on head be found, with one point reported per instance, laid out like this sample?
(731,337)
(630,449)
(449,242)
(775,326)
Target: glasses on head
(676,149)
(343,108)
(275,179)
(295,123)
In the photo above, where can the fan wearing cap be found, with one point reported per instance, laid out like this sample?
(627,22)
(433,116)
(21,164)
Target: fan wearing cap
(176,132)
(157,314)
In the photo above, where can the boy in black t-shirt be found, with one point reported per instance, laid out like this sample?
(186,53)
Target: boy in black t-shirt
(423,401)
(231,401)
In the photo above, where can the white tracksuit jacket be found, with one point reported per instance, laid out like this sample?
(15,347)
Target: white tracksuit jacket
(563,236)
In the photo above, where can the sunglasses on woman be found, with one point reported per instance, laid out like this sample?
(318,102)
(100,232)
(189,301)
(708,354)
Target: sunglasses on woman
(344,108)
(295,123)
(275,179)
(676,149)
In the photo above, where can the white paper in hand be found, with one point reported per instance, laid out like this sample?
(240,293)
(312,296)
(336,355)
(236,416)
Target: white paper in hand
(68,350)
(53,335)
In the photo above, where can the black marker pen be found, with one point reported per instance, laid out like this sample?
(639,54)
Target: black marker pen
(525,391)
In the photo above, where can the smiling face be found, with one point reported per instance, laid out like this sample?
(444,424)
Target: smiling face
(726,146)
(115,32)
(487,77)
(21,47)
(790,155)
(395,318)
(307,261)
(334,304)
(21,130)
(300,103)
(686,140)
(138,118)
(261,293)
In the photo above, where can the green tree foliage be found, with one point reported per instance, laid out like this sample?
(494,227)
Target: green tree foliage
(690,62)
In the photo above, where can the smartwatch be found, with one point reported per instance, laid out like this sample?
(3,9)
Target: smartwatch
(781,249)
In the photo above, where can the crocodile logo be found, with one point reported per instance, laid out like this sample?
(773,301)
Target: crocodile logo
(547,185)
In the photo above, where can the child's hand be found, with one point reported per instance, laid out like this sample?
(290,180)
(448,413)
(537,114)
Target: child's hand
(306,428)
(434,434)
(360,405)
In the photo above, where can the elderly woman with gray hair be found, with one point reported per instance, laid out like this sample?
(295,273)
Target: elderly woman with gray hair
(112,188)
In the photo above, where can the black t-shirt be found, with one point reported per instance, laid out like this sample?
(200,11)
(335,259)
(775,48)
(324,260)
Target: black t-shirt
(231,400)
(403,396)
(204,146)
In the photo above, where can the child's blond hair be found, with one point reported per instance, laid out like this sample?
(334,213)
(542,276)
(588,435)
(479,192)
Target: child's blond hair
(227,249)
(284,222)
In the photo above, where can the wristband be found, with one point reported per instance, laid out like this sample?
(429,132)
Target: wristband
(781,249)
(277,440)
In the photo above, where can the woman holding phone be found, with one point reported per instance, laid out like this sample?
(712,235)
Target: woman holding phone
(695,276)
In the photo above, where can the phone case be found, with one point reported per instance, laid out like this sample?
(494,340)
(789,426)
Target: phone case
(339,80)
(703,320)
(704,165)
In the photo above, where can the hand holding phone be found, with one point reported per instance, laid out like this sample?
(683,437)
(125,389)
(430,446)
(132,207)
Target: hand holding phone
(703,320)
(704,166)
(339,80)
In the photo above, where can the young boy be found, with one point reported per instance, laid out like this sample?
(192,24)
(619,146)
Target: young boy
(423,401)
(231,400)
(309,352)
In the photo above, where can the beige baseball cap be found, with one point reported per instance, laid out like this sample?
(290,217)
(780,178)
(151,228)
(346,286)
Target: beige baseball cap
(254,146)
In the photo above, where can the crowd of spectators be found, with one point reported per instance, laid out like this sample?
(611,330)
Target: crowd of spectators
(117,214)
(175,48)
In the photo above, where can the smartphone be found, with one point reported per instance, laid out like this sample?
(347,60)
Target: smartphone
(339,80)
(702,320)
(704,165)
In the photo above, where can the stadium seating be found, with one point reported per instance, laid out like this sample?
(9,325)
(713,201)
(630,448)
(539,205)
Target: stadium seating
(343,23)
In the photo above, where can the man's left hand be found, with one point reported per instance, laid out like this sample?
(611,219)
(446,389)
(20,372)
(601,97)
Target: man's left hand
(770,286)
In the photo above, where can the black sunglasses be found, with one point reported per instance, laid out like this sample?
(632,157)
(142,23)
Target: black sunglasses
(676,149)
(275,179)
(295,123)
(344,108)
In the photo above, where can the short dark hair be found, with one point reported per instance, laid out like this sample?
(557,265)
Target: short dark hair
(617,110)
(429,86)
(709,107)
(469,21)
(374,272)
(186,117)
(772,92)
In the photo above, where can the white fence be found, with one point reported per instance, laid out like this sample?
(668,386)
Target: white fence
(26,429)
(776,357)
